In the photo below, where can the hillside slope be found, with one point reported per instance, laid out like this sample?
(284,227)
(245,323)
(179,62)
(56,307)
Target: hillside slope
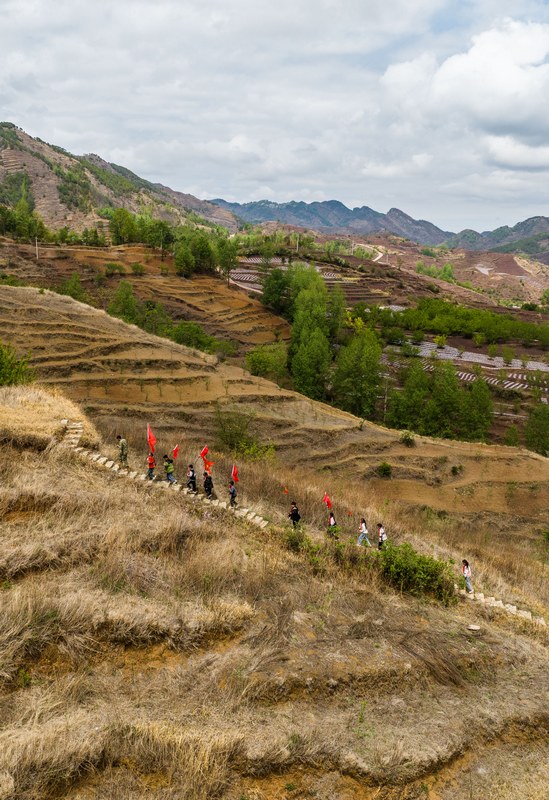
(69,190)
(154,647)
(115,371)
(225,313)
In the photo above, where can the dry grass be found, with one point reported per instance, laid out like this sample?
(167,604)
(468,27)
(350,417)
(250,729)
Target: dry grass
(31,416)
(153,648)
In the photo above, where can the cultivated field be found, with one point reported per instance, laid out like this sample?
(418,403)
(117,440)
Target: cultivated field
(151,647)
(225,313)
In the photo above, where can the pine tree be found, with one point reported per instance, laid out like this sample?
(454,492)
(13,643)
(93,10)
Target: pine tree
(357,375)
(311,363)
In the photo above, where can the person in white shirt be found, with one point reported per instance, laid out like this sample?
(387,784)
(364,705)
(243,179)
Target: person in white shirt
(466,572)
(363,533)
(381,536)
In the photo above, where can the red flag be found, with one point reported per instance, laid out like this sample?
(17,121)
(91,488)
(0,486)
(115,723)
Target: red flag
(176,451)
(207,464)
(151,438)
(327,500)
(234,473)
(349,513)
(285,490)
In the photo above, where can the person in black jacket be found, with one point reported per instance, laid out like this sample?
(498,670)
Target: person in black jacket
(208,485)
(294,514)
(191,479)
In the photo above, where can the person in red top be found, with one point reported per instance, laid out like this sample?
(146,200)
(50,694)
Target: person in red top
(151,464)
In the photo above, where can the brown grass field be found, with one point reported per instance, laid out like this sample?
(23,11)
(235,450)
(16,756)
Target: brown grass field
(150,647)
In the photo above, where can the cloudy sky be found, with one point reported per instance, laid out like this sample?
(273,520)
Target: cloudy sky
(438,107)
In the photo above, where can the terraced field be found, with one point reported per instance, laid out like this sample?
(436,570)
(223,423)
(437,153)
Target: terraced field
(115,371)
(156,647)
(225,313)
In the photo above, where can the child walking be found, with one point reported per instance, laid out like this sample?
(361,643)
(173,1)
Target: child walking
(363,533)
(151,464)
(169,469)
(381,536)
(466,572)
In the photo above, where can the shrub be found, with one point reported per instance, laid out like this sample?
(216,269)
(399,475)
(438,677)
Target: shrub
(508,354)
(138,269)
(13,370)
(407,438)
(295,538)
(409,571)
(111,268)
(233,433)
(268,360)
(440,341)
(384,470)
(72,287)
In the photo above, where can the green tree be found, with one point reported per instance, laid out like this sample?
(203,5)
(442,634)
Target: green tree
(512,436)
(357,374)
(184,260)
(276,291)
(227,256)
(13,370)
(125,305)
(477,411)
(72,287)
(268,360)
(311,364)
(203,253)
(337,304)
(536,433)
(122,227)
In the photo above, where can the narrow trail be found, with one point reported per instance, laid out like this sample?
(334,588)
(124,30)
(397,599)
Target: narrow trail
(71,440)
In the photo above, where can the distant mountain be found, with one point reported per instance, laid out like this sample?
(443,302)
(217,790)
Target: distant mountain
(331,216)
(69,190)
(530,236)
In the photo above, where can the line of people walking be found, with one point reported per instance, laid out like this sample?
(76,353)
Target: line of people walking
(168,466)
(294,515)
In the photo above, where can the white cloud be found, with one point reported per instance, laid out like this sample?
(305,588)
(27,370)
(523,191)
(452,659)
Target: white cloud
(508,153)
(385,103)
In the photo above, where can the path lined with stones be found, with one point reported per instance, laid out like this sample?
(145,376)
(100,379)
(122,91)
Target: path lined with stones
(71,440)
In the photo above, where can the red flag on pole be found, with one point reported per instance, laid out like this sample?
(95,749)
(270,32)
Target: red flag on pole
(285,490)
(176,451)
(327,500)
(234,473)
(207,464)
(151,438)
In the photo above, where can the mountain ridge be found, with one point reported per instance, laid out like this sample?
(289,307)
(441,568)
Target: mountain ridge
(70,190)
(333,216)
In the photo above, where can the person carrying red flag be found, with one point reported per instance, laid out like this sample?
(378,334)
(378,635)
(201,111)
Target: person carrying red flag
(232,494)
(151,464)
